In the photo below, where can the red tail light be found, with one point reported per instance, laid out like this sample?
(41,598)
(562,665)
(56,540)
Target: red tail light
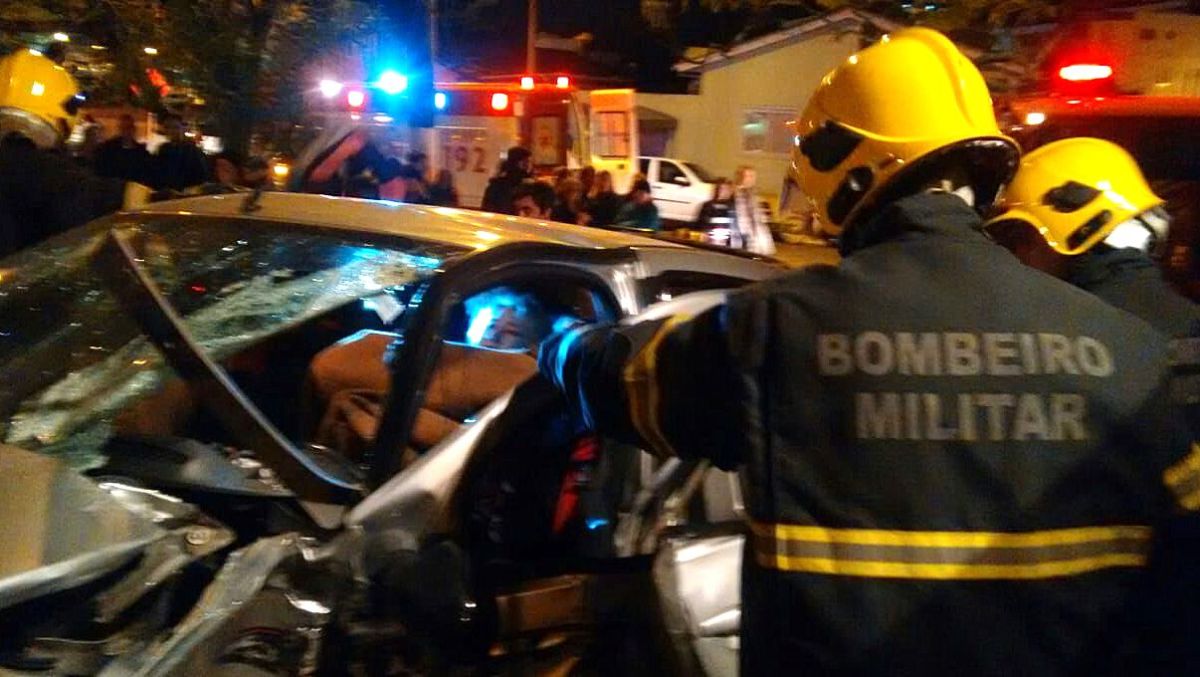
(1085,72)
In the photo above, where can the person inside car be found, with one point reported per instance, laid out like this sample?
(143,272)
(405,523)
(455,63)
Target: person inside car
(348,381)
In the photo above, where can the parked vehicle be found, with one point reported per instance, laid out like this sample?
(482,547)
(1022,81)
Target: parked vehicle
(680,188)
(165,351)
(477,122)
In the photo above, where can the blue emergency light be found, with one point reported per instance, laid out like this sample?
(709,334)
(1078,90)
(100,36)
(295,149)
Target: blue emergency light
(392,82)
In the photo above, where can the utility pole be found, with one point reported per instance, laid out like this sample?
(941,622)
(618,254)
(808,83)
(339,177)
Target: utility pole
(433,32)
(531,39)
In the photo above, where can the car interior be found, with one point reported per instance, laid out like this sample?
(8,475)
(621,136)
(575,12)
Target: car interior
(542,496)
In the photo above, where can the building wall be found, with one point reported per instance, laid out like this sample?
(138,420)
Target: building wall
(1156,54)
(778,80)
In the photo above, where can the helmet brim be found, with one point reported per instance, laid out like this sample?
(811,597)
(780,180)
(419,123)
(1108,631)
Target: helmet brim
(18,121)
(988,163)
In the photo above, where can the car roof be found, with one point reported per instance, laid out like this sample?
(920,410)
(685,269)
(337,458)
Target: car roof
(460,227)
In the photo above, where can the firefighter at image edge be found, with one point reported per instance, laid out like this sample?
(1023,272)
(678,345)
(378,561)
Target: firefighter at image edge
(953,463)
(42,191)
(1081,210)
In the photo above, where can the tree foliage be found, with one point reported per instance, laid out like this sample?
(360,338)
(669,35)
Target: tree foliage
(243,58)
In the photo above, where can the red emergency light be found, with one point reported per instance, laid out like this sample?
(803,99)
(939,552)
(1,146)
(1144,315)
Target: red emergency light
(499,101)
(527,82)
(355,98)
(563,82)
(1085,72)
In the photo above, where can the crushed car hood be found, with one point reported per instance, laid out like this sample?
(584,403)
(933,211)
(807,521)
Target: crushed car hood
(59,529)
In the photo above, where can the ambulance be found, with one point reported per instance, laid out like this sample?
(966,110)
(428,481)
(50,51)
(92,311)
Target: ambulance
(475,123)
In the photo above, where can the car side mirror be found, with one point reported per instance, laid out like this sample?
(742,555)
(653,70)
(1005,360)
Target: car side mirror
(681,181)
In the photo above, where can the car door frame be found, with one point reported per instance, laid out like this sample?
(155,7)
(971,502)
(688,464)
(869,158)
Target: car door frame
(409,497)
(422,331)
(672,199)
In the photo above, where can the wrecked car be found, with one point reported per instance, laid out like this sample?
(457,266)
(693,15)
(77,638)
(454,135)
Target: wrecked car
(185,493)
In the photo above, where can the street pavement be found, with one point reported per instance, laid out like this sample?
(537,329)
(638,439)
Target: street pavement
(800,255)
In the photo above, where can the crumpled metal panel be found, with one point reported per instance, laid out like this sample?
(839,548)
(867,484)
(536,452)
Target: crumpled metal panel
(59,529)
(699,585)
(254,618)
(414,503)
(193,535)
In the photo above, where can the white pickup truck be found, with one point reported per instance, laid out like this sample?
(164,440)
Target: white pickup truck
(680,188)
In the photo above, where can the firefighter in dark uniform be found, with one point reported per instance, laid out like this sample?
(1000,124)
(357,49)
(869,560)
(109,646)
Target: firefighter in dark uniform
(42,192)
(1081,210)
(953,463)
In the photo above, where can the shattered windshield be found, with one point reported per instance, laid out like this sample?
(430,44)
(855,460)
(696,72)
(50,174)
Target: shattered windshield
(71,359)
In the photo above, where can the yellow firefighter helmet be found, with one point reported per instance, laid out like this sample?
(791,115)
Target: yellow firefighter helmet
(891,119)
(1076,192)
(38,98)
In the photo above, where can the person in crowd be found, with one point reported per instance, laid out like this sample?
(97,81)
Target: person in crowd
(179,164)
(602,203)
(348,162)
(420,162)
(42,190)
(416,179)
(716,215)
(532,199)
(123,156)
(516,168)
(568,204)
(442,191)
(256,173)
(953,464)
(752,231)
(587,177)
(639,211)
(416,191)
(227,169)
(91,135)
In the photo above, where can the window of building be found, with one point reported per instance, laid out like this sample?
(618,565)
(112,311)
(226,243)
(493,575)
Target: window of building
(611,134)
(765,130)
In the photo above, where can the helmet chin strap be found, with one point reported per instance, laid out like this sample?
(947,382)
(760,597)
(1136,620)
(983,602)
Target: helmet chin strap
(1146,232)
(964,192)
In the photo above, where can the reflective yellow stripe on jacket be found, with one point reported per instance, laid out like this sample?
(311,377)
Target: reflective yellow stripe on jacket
(641,388)
(949,555)
(1183,479)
